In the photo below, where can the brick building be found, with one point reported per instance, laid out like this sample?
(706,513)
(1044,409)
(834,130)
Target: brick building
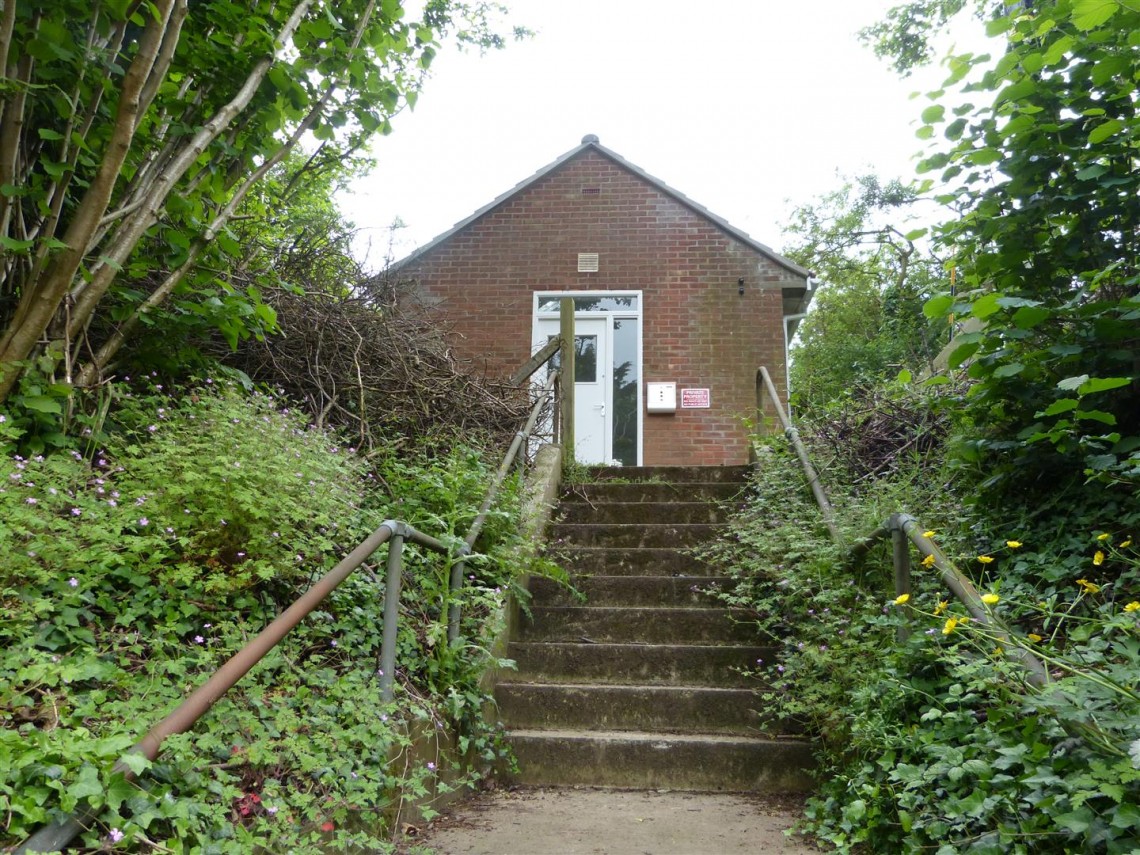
(665,293)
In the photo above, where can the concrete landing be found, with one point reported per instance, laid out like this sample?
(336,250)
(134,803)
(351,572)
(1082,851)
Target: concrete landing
(573,821)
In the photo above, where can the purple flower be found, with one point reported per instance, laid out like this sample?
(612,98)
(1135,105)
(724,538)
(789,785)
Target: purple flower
(30,500)
(75,512)
(73,582)
(199,640)
(431,766)
(114,835)
(144,521)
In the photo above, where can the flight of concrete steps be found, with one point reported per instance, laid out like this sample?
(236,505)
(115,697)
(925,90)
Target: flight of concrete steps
(638,686)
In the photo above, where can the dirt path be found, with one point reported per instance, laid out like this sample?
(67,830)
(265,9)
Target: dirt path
(582,821)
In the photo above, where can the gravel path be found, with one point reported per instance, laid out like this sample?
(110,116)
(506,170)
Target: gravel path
(585,821)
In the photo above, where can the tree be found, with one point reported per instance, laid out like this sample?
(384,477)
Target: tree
(1043,178)
(132,131)
(866,320)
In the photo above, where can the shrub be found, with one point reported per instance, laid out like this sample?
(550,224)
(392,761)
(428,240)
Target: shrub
(131,576)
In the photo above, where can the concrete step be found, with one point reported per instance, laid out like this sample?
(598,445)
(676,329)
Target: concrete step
(641,513)
(665,535)
(630,624)
(640,664)
(667,591)
(582,561)
(671,474)
(641,491)
(661,761)
(665,709)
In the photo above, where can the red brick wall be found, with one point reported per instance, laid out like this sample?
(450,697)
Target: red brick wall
(697,330)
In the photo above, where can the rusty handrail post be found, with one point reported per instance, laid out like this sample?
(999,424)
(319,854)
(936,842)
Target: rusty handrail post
(392,581)
(766,389)
(456,583)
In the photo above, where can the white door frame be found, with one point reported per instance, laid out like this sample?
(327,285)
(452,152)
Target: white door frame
(635,313)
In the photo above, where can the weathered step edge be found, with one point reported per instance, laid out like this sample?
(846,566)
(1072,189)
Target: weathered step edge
(655,761)
(664,709)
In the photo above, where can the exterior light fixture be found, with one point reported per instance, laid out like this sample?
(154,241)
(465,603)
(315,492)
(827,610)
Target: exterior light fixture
(740,285)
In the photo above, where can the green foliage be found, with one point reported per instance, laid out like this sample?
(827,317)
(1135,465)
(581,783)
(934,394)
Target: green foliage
(866,320)
(1043,178)
(134,134)
(130,577)
(938,743)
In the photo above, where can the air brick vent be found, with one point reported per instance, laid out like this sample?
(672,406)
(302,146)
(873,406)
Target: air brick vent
(587,262)
(591,191)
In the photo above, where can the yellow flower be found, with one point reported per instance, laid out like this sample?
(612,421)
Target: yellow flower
(928,534)
(1088,587)
(928,561)
(1127,542)
(986,559)
(901,599)
(948,627)
(1098,559)
(941,607)
(1102,536)
(1035,638)
(1013,544)
(1133,606)
(990,599)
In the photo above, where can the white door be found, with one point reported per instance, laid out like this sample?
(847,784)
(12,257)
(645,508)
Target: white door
(592,426)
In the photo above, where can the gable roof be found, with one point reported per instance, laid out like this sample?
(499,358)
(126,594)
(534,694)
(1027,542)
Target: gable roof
(590,143)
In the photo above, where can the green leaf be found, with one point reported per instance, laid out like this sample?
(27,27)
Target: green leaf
(1090,14)
(933,113)
(40,403)
(1011,370)
(1063,405)
(937,306)
(15,245)
(1096,416)
(1102,384)
(1104,130)
(904,377)
(961,353)
(1090,172)
(1070,384)
(985,305)
(1027,317)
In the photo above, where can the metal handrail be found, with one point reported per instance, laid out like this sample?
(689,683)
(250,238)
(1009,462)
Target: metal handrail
(546,393)
(766,393)
(52,837)
(902,529)
(59,833)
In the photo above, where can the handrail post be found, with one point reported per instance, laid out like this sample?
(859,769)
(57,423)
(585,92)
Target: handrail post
(392,583)
(900,548)
(566,369)
(765,388)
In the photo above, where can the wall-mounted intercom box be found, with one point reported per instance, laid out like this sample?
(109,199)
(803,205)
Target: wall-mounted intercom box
(661,397)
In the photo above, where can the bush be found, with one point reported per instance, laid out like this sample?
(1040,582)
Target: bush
(939,744)
(131,576)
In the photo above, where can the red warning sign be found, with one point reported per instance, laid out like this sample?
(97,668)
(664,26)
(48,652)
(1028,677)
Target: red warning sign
(695,399)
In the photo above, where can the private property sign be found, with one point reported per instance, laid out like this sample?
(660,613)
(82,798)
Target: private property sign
(695,399)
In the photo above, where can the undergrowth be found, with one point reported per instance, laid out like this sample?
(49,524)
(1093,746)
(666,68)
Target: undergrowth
(939,743)
(132,574)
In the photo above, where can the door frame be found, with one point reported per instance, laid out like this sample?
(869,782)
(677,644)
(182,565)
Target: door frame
(636,313)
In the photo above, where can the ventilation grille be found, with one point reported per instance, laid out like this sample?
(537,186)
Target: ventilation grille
(587,262)
(591,191)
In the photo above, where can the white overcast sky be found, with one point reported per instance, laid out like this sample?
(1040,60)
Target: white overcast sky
(745,106)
